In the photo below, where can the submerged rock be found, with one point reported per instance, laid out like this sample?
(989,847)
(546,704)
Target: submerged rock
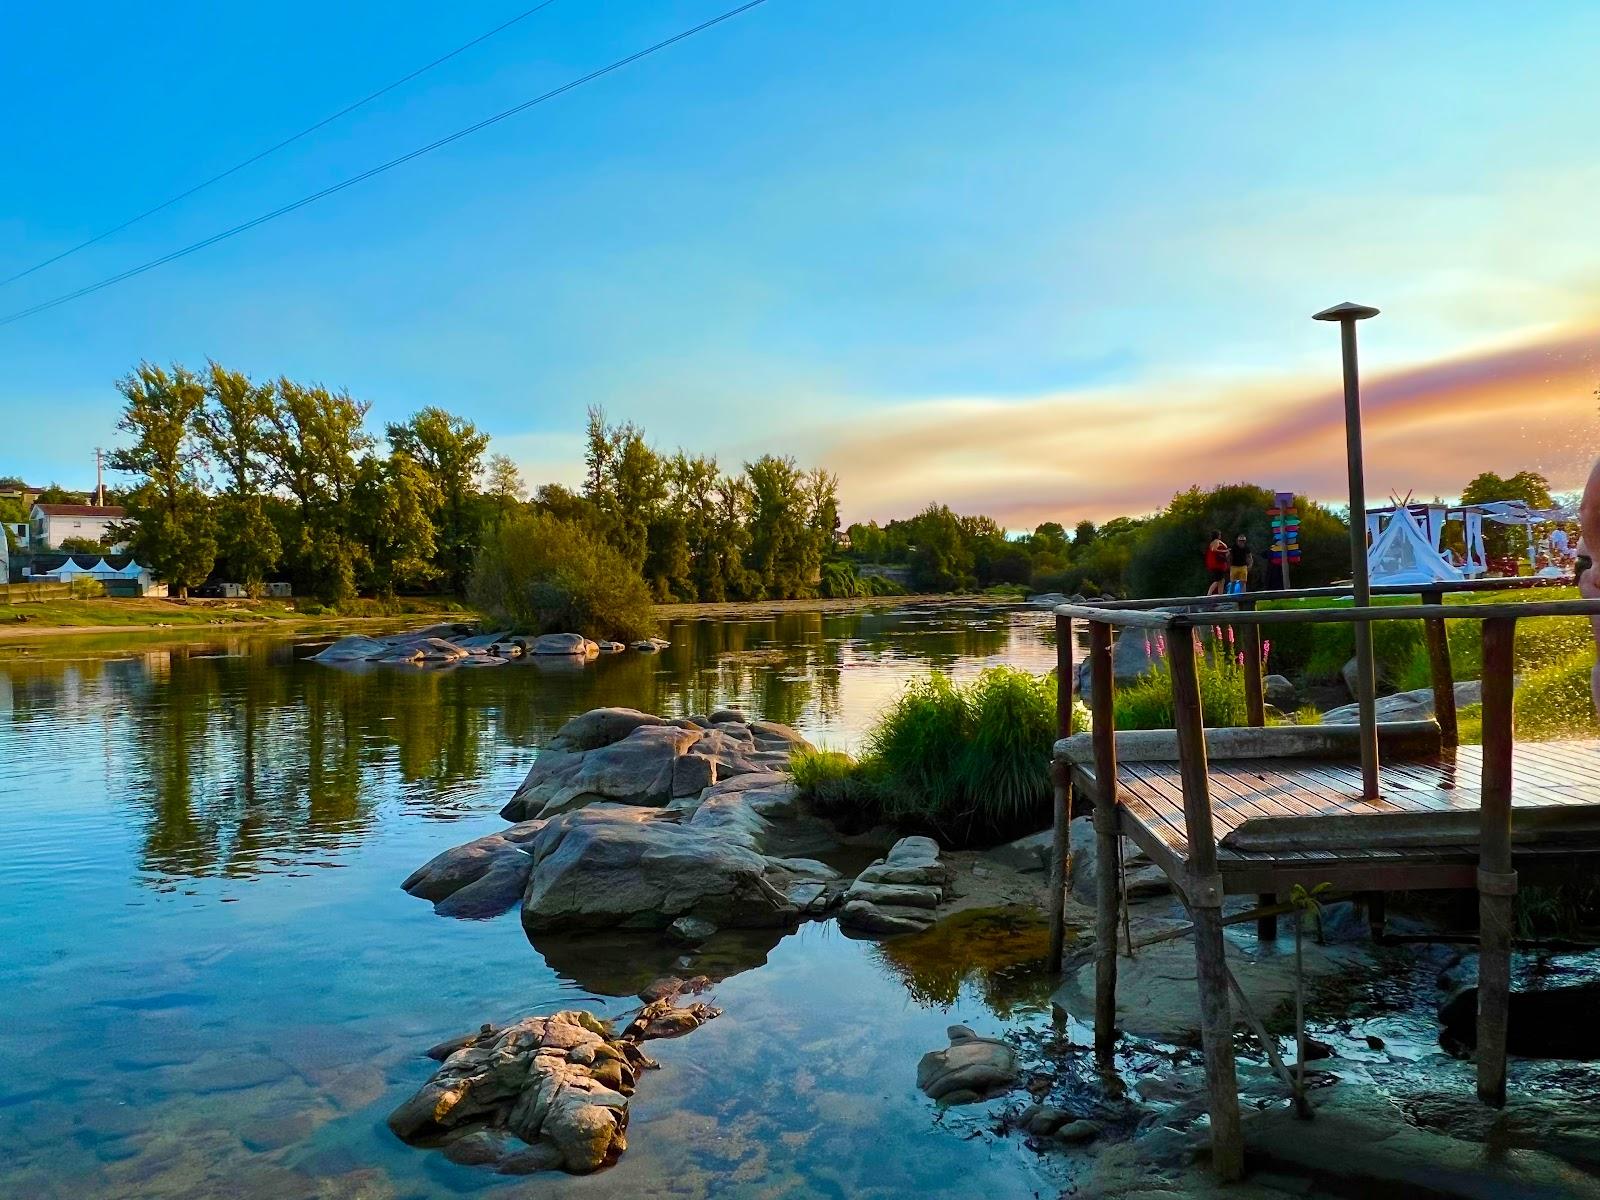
(541,1093)
(561,643)
(972,1068)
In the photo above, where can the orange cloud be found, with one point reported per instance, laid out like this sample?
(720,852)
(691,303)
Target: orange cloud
(1428,429)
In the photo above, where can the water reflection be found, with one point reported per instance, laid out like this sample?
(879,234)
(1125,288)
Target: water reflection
(239,757)
(200,1008)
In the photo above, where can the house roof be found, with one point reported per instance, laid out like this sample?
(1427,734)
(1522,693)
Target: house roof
(82,510)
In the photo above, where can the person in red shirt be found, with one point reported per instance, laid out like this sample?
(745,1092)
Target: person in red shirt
(1217,563)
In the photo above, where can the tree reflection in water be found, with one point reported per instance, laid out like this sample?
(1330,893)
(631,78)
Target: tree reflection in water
(237,757)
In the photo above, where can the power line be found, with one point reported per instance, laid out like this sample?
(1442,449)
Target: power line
(380,169)
(255,158)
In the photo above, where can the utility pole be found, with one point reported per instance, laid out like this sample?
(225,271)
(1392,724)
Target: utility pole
(99,476)
(1347,315)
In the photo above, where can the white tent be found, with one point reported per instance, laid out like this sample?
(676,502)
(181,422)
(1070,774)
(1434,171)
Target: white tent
(1401,554)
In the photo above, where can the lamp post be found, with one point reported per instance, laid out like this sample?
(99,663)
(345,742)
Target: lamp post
(1347,315)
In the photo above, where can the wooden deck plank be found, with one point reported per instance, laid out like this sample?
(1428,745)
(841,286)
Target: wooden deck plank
(1546,774)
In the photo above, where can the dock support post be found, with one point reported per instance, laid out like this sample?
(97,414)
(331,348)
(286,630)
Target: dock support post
(1061,787)
(1497,882)
(1255,704)
(1061,783)
(1204,891)
(1443,675)
(1107,884)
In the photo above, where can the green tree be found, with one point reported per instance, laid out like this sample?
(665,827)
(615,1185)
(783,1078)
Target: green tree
(81,545)
(450,449)
(1507,541)
(315,444)
(235,426)
(941,551)
(394,502)
(542,575)
(504,486)
(170,528)
(784,555)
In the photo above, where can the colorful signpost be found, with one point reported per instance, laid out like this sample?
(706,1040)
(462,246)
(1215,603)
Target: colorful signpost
(1285,534)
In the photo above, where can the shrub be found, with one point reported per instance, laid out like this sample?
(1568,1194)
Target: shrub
(971,764)
(539,574)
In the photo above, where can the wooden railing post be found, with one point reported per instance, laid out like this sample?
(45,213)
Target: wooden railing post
(1102,703)
(1066,670)
(1497,882)
(1444,684)
(1204,891)
(1255,704)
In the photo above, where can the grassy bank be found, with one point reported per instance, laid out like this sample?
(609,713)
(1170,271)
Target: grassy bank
(20,622)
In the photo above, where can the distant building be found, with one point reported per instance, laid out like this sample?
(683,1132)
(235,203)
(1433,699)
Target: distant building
(51,524)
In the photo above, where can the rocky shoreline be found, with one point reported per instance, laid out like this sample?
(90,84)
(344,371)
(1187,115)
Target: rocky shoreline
(461,644)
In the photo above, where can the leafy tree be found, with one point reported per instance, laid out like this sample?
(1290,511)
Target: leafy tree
(81,545)
(504,486)
(784,555)
(171,527)
(315,443)
(941,555)
(12,513)
(235,427)
(1507,541)
(565,505)
(54,493)
(394,502)
(543,575)
(450,449)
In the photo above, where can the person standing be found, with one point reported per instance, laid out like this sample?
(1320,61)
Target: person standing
(1216,563)
(1240,560)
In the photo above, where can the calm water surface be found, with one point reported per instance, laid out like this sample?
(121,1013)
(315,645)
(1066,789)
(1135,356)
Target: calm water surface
(214,985)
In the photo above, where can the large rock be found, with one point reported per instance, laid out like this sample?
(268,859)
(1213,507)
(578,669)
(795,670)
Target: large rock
(630,822)
(482,878)
(639,769)
(972,1068)
(1405,706)
(629,757)
(559,1083)
(621,866)
(1280,693)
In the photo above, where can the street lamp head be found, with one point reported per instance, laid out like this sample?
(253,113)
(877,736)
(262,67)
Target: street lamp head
(1345,312)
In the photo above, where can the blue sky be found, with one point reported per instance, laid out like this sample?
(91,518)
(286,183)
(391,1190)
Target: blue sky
(1047,259)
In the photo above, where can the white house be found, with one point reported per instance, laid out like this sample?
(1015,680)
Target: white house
(51,524)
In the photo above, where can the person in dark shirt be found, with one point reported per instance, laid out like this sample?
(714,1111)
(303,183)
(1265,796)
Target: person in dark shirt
(1240,560)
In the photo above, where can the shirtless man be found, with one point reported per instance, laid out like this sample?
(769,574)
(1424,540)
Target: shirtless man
(1588,585)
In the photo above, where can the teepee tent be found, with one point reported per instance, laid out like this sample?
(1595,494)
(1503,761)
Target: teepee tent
(1401,554)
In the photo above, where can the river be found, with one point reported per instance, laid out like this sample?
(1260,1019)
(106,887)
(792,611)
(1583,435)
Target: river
(215,986)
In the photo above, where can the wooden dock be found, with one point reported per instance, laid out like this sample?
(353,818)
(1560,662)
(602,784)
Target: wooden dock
(1255,812)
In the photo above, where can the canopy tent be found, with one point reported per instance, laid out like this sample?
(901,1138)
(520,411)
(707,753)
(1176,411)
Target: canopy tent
(1401,554)
(1430,521)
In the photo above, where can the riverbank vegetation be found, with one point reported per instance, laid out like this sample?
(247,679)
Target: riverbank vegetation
(970,763)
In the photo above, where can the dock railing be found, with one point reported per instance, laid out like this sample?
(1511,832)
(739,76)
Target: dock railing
(1182,620)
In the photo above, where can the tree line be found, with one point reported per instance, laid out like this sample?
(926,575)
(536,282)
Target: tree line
(248,481)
